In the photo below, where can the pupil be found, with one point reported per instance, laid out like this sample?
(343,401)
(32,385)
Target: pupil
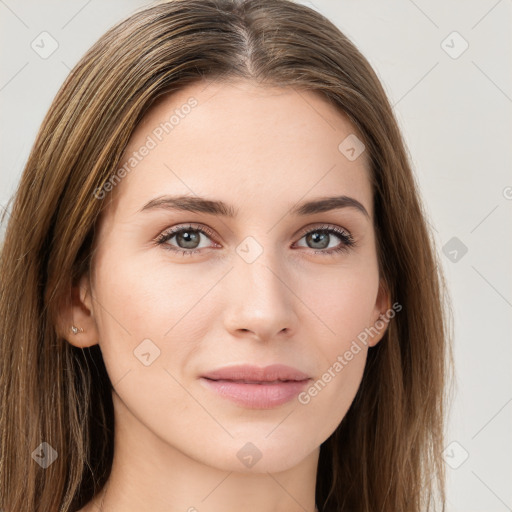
(189,237)
(314,237)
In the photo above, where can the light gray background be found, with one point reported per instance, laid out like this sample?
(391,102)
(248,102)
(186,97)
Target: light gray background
(456,117)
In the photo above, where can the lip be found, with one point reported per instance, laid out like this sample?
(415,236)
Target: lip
(254,387)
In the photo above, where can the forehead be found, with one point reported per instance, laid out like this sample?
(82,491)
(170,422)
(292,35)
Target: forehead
(237,140)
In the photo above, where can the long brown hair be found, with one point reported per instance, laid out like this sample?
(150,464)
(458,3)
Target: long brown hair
(386,454)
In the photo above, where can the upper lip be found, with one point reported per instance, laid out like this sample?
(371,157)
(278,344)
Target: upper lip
(274,372)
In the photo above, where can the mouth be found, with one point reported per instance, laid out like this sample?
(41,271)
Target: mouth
(255,374)
(256,388)
(262,382)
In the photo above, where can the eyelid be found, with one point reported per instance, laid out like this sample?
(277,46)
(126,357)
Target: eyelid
(168,233)
(321,227)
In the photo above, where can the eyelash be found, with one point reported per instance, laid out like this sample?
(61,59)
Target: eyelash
(347,240)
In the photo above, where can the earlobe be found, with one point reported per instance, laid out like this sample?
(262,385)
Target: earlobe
(76,330)
(76,321)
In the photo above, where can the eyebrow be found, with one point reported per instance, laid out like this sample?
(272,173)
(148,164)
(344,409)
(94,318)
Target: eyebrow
(213,207)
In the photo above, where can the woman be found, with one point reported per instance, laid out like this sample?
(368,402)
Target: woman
(218,289)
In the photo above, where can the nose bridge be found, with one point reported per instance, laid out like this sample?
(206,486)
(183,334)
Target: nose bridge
(260,299)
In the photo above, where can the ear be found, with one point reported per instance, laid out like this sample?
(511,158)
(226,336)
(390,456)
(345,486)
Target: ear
(380,317)
(77,311)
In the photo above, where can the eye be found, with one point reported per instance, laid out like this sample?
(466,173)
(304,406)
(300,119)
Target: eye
(188,238)
(320,239)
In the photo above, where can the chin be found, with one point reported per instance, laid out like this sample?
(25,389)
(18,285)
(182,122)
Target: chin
(258,456)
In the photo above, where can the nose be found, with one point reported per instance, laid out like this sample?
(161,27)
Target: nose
(260,302)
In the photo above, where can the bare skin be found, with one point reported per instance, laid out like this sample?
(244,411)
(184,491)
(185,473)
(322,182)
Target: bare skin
(261,150)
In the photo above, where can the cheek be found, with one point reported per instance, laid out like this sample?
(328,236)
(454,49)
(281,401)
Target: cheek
(134,304)
(151,316)
(330,396)
(146,338)
(343,303)
(342,299)
(142,296)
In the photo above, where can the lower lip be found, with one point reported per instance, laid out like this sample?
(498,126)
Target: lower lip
(256,396)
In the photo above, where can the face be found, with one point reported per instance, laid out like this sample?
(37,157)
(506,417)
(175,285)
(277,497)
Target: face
(175,293)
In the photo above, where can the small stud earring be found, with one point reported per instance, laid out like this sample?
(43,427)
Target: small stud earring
(76,330)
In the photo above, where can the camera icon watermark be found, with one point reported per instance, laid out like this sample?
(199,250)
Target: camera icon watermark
(249,249)
(249,454)
(146,352)
(454,249)
(352,147)
(44,45)
(454,45)
(45,455)
(455,455)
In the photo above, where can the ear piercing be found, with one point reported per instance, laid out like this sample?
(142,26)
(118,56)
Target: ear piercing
(76,330)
